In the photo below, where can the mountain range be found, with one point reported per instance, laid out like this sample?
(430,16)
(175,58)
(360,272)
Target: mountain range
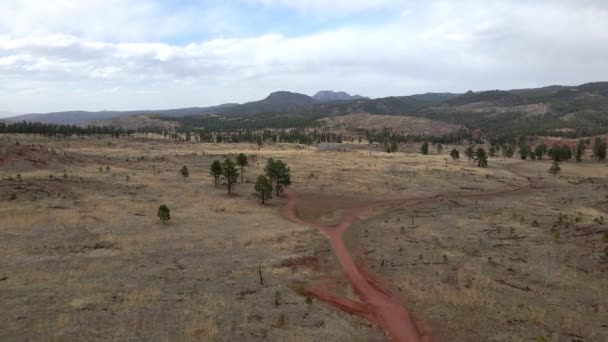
(275,102)
(582,109)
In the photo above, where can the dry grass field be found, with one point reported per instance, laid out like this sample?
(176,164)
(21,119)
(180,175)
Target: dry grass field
(500,256)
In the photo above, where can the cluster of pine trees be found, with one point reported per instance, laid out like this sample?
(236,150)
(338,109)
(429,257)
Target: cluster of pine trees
(60,130)
(277,176)
(563,152)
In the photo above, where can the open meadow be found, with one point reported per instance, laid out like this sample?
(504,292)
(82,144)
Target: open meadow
(504,253)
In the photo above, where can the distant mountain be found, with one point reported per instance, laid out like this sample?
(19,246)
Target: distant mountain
(84,117)
(498,97)
(584,106)
(4,114)
(285,98)
(280,101)
(333,96)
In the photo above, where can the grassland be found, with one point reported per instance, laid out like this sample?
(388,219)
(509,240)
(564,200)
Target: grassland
(84,257)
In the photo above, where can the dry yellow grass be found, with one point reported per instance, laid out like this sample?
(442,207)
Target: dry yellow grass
(85,258)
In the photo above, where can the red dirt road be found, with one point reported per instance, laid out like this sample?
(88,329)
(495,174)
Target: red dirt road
(377,303)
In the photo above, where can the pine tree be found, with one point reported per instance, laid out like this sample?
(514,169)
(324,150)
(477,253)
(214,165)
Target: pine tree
(492,151)
(184,172)
(241,161)
(554,169)
(230,173)
(283,176)
(481,157)
(439,148)
(540,151)
(279,173)
(470,153)
(455,154)
(560,153)
(263,188)
(424,148)
(394,147)
(164,214)
(580,151)
(270,169)
(524,151)
(599,149)
(216,172)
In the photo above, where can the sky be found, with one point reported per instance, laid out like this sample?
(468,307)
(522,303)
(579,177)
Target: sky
(151,54)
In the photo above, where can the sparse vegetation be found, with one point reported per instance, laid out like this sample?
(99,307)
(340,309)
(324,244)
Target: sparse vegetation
(498,238)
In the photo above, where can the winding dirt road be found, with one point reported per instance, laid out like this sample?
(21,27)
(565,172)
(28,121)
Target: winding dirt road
(377,303)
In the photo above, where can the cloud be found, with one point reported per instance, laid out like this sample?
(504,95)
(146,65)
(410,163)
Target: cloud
(444,46)
(116,20)
(341,6)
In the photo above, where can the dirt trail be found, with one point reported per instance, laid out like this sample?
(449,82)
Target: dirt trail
(377,303)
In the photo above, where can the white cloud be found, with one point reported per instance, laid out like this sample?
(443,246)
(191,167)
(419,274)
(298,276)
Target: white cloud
(342,6)
(447,46)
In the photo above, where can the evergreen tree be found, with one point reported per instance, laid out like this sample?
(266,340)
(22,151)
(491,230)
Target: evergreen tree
(164,214)
(455,154)
(509,151)
(394,147)
(263,188)
(241,161)
(270,169)
(554,169)
(259,141)
(279,173)
(216,172)
(470,153)
(283,176)
(184,172)
(580,151)
(524,151)
(439,148)
(540,151)
(230,173)
(560,153)
(481,157)
(599,149)
(492,151)
(424,148)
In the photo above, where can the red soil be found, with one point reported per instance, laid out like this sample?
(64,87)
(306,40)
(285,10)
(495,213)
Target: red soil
(377,303)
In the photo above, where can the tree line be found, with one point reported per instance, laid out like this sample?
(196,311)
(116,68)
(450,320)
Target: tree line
(60,130)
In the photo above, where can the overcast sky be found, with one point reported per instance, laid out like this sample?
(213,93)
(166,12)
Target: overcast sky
(152,54)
